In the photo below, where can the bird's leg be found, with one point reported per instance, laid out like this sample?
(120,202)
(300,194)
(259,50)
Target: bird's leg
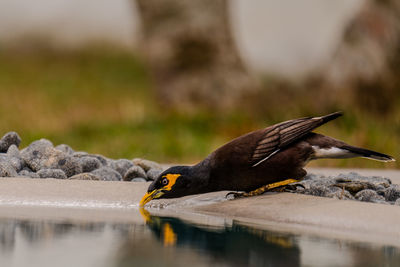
(263,189)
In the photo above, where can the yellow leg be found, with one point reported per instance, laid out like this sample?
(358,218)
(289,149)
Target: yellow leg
(263,189)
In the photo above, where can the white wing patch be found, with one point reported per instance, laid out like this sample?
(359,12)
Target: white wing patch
(332,152)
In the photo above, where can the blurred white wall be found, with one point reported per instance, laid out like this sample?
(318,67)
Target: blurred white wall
(69,23)
(290,37)
(287,37)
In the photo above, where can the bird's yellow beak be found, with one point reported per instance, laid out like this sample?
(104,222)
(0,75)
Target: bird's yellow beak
(149,196)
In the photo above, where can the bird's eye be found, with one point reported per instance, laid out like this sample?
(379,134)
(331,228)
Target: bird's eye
(164,181)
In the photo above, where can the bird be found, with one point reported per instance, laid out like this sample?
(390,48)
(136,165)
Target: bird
(258,161)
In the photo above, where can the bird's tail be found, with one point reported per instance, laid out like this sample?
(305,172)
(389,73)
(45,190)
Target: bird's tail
(331,116)
(369,154)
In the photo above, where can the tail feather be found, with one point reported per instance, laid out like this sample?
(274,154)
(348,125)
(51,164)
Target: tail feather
(331,116)
(366,153)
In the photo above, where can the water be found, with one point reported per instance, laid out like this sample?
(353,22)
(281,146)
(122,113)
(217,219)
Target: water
(170,241)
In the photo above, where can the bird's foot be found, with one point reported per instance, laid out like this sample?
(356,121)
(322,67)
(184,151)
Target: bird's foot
(292,187)
(259,191)
(236,195)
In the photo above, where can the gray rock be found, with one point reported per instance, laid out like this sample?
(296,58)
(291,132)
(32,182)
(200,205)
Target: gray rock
(27,173)
(17,163)
(89,163)
(311,176)
(104,161)
(80,154)
(321,190)
(13,151)
(14,157)
(34,153)
(26,168)
(65,148)
(146,164)
(85,176)
(3,157)
(380,190)
(340,194)
(392,193)
(42,155)
(397,202)
(10,138)
(52,173)
(372,182)
(369,195)
(153,174)
(69,165)
(121,166)
(134,172)
(138,180)
(355,186)
(107,174)
(7,170)
(350,186)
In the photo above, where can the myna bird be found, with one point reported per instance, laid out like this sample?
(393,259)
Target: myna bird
(258,161)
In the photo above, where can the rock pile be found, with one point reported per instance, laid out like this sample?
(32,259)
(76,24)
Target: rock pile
(41,159)
(350,186)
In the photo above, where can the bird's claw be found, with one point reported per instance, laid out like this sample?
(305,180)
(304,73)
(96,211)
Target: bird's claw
(292,187)
(235,195)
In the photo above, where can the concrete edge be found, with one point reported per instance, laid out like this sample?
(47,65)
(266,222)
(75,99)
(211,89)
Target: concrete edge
(284,212)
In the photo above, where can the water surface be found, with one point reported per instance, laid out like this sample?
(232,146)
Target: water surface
(169,241)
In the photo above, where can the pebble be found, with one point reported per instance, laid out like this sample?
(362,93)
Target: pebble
(107,174)
(65,148)
(340,194)
(103,160)
(350,186)
(146,165)
(7,170)
(85,176)
(79,154)
(10,138)
(14,158)
(13,151)
(89,163)
(134,172)
(121,166)
(153,174)
(392,193)
(52,173)
(17,163)
(369,195)
(42,155)
(319,190)
(27,173)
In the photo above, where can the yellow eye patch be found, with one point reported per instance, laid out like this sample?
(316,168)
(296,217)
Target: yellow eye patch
(171,180)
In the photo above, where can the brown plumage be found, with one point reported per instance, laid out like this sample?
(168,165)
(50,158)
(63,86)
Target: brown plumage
(262,157)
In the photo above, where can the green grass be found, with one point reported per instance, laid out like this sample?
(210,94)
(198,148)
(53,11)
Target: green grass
(102,101)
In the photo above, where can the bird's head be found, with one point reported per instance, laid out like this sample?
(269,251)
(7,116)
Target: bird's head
(174,182)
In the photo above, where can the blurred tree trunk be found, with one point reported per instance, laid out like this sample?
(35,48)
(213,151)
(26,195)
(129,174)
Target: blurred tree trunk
(192,54)
(367,59)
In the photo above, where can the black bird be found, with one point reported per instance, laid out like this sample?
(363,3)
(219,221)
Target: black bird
(258,161)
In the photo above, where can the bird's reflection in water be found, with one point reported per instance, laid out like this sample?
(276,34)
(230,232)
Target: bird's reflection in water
(168,241)
(236,245)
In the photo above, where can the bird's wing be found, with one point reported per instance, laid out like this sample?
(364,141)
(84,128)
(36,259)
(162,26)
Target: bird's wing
(283,134)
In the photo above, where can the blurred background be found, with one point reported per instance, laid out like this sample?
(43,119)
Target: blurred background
(172,80)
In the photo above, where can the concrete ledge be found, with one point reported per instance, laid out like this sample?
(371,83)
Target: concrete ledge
(344,219)
(118,201)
